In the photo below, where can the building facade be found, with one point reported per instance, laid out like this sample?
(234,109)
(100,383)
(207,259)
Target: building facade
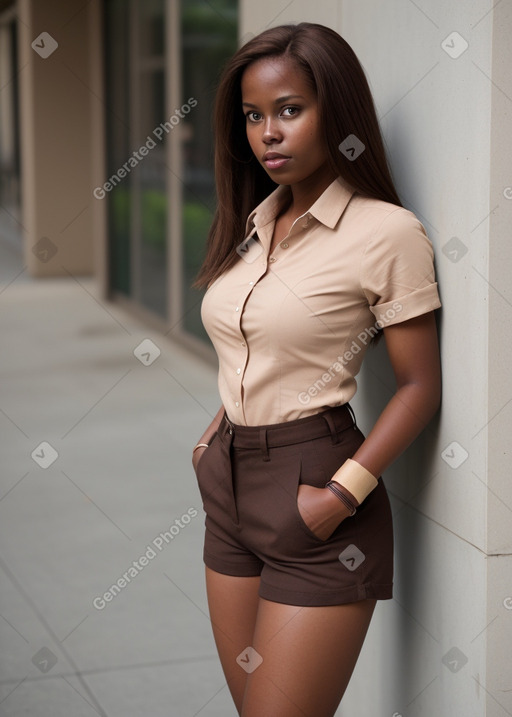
(106,169)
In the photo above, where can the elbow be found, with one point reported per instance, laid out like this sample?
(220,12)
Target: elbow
(432,397)
(423,397)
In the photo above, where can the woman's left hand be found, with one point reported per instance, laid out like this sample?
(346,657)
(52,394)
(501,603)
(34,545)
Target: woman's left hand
(320,510)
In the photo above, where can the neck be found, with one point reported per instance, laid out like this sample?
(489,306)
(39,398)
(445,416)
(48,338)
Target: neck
(305,194)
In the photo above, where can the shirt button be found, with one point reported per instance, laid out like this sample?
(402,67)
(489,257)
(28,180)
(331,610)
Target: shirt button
(285,245)
(243,344)
(236,404)
(239,370)
(237,308)
(251,283)
(272,258)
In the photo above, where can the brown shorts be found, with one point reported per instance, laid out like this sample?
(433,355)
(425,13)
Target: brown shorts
(248,478)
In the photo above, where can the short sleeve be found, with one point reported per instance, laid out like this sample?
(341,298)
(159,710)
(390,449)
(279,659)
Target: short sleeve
(397,272)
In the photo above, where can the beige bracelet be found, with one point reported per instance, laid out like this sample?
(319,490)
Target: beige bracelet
(355,478)
(200,445)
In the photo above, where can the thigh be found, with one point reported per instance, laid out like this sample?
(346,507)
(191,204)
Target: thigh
(233,605)
(308,656)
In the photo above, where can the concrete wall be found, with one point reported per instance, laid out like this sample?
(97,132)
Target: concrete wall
(441,645)
(499,494)
(56,139)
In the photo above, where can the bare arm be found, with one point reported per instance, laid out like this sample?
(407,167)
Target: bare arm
(414,354)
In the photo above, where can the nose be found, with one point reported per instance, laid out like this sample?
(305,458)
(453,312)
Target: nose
(271,131)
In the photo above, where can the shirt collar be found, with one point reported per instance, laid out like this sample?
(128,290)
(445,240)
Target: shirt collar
(327,209)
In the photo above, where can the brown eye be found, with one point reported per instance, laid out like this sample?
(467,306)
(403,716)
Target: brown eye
(292,111)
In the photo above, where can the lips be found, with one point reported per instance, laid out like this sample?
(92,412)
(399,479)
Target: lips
(274,160)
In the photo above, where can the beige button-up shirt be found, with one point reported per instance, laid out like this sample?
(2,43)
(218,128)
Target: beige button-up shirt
(291,327)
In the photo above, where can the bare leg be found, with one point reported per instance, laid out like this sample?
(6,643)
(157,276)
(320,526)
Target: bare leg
(309,654)
(233,604)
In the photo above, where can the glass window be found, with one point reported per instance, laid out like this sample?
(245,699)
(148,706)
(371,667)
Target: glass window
(209,37)
(159,215)
(10,199)
(117,51)
(137,196)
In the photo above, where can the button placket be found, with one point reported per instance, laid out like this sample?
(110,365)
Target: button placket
(238,312)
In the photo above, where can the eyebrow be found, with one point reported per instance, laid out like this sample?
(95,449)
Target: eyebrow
(278,101)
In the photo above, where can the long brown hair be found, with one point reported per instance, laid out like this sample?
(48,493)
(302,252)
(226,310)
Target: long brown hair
(345,107)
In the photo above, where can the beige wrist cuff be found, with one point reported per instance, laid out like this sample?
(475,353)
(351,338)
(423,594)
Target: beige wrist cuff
(356,479)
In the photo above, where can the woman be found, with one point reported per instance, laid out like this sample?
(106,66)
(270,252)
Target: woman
(299,542)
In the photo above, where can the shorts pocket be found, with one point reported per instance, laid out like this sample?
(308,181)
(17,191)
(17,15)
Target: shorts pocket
(205,470)
(316,478)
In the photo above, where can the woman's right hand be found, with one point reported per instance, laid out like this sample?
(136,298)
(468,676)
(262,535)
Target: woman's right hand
(196,455)
(207,437)
(321,510)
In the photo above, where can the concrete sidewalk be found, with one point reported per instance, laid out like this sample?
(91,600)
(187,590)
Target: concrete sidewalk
(97,489)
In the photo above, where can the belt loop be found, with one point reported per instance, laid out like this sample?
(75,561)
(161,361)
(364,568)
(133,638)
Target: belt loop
(352,414)
(264,444)
(229,425)
(332,428)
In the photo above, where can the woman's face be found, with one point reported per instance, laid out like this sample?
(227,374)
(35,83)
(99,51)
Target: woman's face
(282,122)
